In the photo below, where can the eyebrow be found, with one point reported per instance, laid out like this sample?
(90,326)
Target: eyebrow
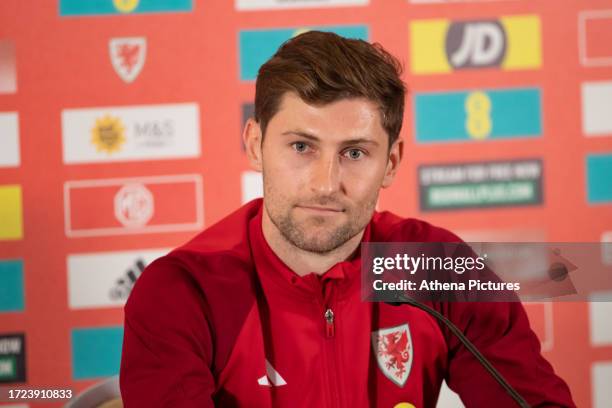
(312,137)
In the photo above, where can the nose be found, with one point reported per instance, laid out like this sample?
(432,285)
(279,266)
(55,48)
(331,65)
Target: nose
(326,175)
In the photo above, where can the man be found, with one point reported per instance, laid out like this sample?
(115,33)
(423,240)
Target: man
(263,309)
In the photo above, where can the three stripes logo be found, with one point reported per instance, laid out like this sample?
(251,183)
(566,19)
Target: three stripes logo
(106,279)
(123,286)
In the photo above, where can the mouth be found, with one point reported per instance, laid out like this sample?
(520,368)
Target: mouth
(321,209)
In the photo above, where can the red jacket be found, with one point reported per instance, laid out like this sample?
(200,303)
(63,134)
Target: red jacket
(221,321)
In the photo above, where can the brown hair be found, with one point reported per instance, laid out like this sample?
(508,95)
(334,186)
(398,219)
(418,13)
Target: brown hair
(323,67)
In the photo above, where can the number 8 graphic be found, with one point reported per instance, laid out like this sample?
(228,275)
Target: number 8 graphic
(478,122)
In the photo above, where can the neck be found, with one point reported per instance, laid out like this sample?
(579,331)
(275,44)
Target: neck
(304,262)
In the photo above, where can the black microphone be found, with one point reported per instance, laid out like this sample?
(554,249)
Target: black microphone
(468,344)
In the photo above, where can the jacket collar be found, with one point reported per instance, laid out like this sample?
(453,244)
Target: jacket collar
(270,266)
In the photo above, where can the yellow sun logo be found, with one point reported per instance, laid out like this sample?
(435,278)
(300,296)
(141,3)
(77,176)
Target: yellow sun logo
(125,6)
(108,134)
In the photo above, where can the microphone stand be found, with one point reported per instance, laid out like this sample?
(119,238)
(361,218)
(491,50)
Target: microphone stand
(469,345)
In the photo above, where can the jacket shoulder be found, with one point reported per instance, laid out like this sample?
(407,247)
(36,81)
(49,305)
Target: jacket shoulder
(207,283)
(229,236)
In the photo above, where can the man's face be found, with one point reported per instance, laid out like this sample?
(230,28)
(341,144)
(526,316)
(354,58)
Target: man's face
(322,168)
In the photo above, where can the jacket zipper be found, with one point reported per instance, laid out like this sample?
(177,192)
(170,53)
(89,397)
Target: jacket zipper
(331,351)
(330,328)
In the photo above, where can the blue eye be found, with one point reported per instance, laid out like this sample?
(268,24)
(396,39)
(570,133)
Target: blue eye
(299,147)
(353,154)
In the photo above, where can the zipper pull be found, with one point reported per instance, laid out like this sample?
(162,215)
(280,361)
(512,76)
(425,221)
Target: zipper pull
(329,323)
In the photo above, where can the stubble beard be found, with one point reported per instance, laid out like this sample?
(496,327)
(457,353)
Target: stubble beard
(321,240)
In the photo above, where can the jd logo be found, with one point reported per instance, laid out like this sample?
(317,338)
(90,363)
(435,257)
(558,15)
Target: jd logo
(475,44)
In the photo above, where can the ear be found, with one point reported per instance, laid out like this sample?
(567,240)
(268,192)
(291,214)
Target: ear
(395,157)
(251,137)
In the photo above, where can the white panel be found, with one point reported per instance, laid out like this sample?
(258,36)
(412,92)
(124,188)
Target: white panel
(93,278)
(601,378)
(597,108)
(252,186)
(152,132)
(600,312)
(9,139)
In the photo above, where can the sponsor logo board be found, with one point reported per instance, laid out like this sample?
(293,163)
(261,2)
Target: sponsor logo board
(243,5)
(72,8)
(601,378)
(133,205)
(594,33)
(93,135)
(11,212)
(12,288)
(106,279)
(8,70)
(12,358)
(599,319)
(598,170)
(257,46)
(477,185)
(478,115)
(9,139)
(96,351)
(597,108)
(442,46)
